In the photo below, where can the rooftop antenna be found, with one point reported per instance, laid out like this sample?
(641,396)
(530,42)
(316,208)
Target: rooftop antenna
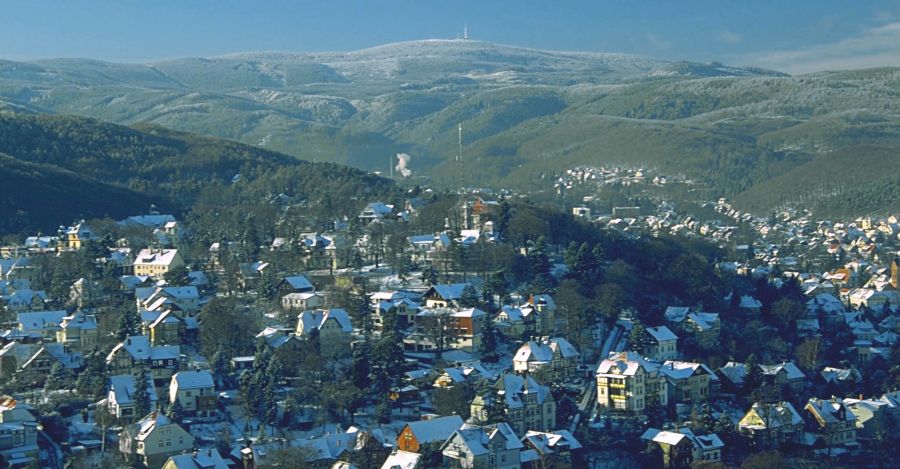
(465,31)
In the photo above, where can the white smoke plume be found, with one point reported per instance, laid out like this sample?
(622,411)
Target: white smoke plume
(402,161)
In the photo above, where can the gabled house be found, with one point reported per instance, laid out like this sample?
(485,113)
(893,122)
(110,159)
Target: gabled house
(295,284)
(687,382)
(161,360)
(78,331)
(301,301)
(333,326)
(663,343)
(403,308)
(683,447)
(78,234)
(120,397)
(167,328)
(444,295)
(555,355)
(832,420)
(676,448)
(785,374)
(185,299)
(44,324)
(539,315)
(628,382)
(25,299)
(704,327)
(557,449)
(157,262)
(770,425)
(38,366)
(375,211)
(153,439)
(416,435)
(528,403)
(195,391)
(488,447)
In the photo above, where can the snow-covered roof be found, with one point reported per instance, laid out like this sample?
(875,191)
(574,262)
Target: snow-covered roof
(159,257)
(208,458)
(661,334)
(678,370)
(299,282)
(400,459)
(516,386)
(534,352)
(315,319)
(122,389)
(452,291)
(625,363)
(676,313)
(193,379)
(789,368)
(40,320)
(478,438)
(435,430)
(548,443)
(748,302)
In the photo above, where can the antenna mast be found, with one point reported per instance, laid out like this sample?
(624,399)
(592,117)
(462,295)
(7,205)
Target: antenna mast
(465,31)
(391,166)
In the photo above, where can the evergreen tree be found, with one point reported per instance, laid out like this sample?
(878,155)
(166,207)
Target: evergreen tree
(490,339)
(141,393)
(91,381)
(177,276)
(639,338)
(469,297)
(57,378)
(538,259)
(176,411)
(265,288)
(275,370)
(430,275)
(753,378)
(129,324)
(360,369)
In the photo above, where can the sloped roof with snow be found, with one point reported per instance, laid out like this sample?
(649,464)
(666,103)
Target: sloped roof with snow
(661,334)
(123,387)
(435,430)
(625,363)
(548,443)
(193,379)
(315,319)
(534,352)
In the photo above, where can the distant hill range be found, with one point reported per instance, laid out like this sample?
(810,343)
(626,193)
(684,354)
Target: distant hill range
(526,115)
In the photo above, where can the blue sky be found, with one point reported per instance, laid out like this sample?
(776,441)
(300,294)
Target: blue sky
(795,36)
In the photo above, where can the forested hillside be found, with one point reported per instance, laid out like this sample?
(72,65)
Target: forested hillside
(526,114)
(59,168)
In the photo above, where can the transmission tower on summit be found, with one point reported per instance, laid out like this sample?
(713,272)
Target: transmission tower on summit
(465,31)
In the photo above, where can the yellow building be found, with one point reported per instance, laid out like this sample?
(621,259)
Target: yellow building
(627,382)
(153,439)
(77,234)
(157,262)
